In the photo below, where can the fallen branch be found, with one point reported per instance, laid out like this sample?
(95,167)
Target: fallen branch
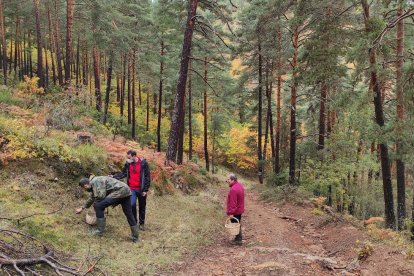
(93,266)
(18,256)
(290,218)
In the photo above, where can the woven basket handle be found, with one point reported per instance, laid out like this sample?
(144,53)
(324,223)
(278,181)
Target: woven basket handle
(230,219)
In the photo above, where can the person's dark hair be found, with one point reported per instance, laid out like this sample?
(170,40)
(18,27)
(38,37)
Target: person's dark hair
(132,153)
(83,181)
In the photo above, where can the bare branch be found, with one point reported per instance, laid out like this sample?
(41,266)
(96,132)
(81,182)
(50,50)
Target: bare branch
(212,64)
(215,93)
(377,41)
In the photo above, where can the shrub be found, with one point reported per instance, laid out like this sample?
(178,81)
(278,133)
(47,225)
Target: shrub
(276,179)
(7,98)
(29,86)
(364,250)
(91,158)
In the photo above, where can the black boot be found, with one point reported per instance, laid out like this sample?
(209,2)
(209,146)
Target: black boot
(238,240)
(100,227)
(134,233)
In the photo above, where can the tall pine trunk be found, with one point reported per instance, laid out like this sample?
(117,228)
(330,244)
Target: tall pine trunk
(16,41)
(49,17)
(70,8)
(40,72)
(178,111)
(30,54)
(278,100)
(269,110)
(379,118)
(96,69)
(160,96)
(85,65)
(78,64)
(259,115)
(122,103)
(46,68)
(57,42)
(129,88)
(401,211)
(190,111)
(292,150)
(108,88)
(148,110)
(133,127)
(3,41)
(322,115)
(205,110)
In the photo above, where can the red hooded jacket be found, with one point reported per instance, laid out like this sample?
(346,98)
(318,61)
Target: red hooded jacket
(235,199)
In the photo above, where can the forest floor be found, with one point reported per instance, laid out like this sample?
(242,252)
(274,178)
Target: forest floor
(287,239)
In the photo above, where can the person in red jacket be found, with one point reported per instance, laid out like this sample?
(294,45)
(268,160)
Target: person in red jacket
(137,173)
(235,203)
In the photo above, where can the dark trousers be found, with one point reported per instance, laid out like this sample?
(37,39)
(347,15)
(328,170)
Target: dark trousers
(142,203)
(100,207)
(239,236)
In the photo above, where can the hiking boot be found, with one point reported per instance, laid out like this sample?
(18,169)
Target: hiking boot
(236,242)
(134,233)
(142,227)
(100,227)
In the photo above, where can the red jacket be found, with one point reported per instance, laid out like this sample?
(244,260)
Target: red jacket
(235,199)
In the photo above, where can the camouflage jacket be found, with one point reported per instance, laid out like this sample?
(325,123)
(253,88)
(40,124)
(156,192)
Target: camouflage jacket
(105,186)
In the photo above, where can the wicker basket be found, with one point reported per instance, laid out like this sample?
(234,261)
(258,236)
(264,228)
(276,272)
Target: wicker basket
(233,228)
(90,217)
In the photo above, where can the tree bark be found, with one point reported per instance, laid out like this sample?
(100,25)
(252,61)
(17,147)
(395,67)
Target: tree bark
(51,45)
(133,127)
(118,89)
(129,88)
(3,41)
(78,64)
(16,42)
(25,67)
(122,103)
(292,150)
(322,116)
(96,69)
(160,96)
(57,42)
(401,211)
(108,88)
(40,72)
(266,136)
(85,65)
(259,115)
(30,54)
(190,111)
(271,127)
(70,8)
(181,84)
(46,68)
(379,118)
(148,110)
(278,100)
(205,113)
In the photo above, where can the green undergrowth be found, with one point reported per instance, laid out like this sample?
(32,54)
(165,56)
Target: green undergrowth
(283,193)
(176,224)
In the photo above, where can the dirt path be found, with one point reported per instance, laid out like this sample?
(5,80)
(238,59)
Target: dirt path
(305,245)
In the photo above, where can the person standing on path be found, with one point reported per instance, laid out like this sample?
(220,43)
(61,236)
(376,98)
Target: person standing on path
(137,172)
(235,203)
(106,191)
